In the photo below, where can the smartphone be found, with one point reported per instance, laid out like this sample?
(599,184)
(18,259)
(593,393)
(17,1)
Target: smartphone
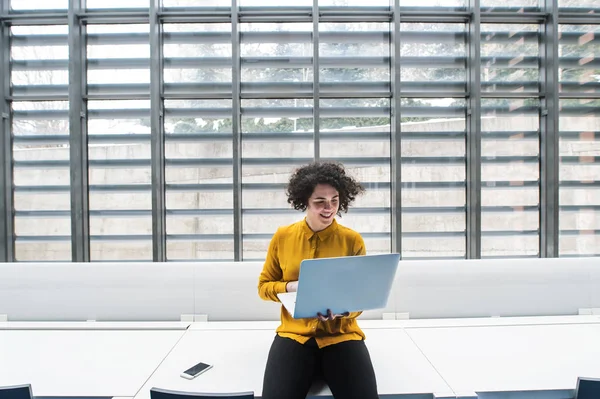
(196,370)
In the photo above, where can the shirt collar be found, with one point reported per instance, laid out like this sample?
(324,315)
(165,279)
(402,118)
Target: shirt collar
(323,234)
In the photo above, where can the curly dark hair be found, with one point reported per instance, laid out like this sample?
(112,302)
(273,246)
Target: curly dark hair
(304,180)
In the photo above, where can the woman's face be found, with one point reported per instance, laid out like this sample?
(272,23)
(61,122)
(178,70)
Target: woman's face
(322,207)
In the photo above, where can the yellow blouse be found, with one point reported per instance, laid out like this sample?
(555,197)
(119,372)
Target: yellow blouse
(289,246)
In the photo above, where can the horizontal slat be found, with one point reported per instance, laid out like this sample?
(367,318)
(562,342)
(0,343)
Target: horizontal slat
(583,62)
(128,213)
(41,139)
(510,135)
(43,214)
(40,65)
(41,239)
(513,185)
(198,162)
(276,62)
(440,160)
(580,232)
(197,37)
(300,62)
(39,40)
(199,187)
(579,184)
(509,233)
(580,160)
(349,161)
(580,111)
(579,136)
(118,89)
(358,136)
(117,213)
(579,208)
(574,38)
(197,62)
(56,114)
(118,138)
(268,236)
(197,137)
(118,63)
(40,90)
(508,109)
(278,137)
(44,164)
(262,186)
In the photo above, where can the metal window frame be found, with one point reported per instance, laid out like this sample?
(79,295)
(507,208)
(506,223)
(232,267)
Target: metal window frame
(316,82)
(236,123)
(157,136)
(78,140)
(473,133)
(7,231)
(396,130)
(549,134)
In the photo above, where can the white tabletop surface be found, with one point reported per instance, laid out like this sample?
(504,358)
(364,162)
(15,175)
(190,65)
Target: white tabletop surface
(239,359)
(512,358)
(414,323)
(82,362)
(94,325)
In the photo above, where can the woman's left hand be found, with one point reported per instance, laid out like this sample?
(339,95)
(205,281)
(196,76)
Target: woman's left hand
(330,315)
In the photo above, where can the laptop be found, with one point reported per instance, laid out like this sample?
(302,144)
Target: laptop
(342,284)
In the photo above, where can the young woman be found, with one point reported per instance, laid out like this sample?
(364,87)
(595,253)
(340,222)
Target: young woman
(330,345)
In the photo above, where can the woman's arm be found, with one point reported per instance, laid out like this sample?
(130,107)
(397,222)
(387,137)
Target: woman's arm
(270,282)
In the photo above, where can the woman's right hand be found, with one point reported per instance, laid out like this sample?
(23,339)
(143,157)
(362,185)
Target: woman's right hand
(291,286)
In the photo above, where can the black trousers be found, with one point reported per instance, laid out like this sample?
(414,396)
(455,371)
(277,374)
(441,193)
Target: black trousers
(346,367)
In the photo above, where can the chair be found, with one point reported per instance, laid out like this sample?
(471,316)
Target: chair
(158,393)
(587,388)
(16,392)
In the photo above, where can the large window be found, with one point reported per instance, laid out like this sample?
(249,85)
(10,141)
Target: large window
(510,140)
(120,202)
(194,115)
(198,141)
(433,115)
(40,152)
(579,145)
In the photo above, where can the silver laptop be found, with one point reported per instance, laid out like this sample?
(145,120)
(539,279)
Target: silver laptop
(342,284)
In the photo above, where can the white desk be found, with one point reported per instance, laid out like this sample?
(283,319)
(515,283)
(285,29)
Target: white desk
(82,362)
(412,323)
(239,358)
(511,358)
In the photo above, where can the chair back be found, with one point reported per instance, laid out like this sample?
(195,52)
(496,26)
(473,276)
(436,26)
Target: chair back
(158,393)
(16,392)
(587,388)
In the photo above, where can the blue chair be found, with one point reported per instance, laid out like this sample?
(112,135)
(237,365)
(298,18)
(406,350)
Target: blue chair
(157,393)
(587,388)
(16,392)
